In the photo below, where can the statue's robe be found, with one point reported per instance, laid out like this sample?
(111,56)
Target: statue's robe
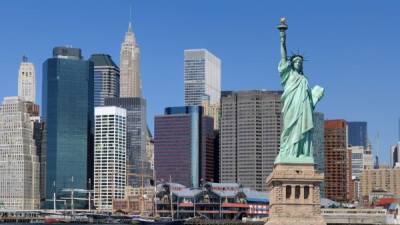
(298,105)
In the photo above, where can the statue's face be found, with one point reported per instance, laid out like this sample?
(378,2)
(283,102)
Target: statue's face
(298,64)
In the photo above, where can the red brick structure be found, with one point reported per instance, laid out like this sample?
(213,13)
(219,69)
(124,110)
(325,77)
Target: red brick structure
(338,185)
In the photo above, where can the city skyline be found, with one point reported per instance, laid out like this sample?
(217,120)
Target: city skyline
(348,54)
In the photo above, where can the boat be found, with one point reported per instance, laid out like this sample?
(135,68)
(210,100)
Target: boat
(61,218)
(138,219)
(57,218)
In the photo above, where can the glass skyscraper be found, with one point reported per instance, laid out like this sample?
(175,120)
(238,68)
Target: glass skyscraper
(68,115)
(318,144)
(106,78)
(358,134)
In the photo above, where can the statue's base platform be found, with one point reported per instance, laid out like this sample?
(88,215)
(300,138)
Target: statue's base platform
(295,195)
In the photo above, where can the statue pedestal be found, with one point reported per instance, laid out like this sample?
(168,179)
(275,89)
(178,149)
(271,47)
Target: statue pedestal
(295,195)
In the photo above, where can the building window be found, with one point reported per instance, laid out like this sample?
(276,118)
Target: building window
(288,191)
(306,192)
(297,192)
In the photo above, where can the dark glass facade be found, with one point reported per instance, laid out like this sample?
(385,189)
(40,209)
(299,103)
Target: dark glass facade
(184,146)
(68,116)
(358,134)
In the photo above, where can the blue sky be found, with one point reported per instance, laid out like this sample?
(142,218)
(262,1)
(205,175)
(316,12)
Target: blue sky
(352,47)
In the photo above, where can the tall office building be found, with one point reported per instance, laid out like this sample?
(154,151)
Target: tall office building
(251,124)
(184,146)
(395,155)
(109,156)
(19,163)
(358,135)
(319,148)
(137,164)
(68,115)
(202,81)
(27,80)
(106,78)
(130,84)
(337,161)
(318,141)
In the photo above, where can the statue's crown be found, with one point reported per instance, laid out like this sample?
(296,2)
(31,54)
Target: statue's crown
(292,57)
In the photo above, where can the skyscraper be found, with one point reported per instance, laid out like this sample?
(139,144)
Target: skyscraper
(318,141)
(251,124)
(27,80)
(337,161)
(68,115)
(106,78)
(19,163)
(136,127)
(395,155)
(318,144)
(131,99)
(109,156)
(184,146)
(202,81)
(358,134)
(130,84)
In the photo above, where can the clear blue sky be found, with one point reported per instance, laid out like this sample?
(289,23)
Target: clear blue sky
(352,47)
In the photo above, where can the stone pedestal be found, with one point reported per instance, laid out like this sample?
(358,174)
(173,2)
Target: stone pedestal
(295,195)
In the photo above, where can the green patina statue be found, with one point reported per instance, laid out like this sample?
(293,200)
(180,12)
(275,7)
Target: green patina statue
(298,106)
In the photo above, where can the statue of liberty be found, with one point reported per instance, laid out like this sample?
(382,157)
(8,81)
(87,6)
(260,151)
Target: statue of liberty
(296,144)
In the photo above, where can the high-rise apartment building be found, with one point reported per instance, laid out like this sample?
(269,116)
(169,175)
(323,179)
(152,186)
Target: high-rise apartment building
(19,163)
(136,127)
(106,78)
(358,134)
(27,80)
(184,146)
(251,124)
(337,161)
(68,116)
(130,83)
(202,80)
(109,156)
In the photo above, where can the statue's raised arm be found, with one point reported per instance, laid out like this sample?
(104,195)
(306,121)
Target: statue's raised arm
(282,28)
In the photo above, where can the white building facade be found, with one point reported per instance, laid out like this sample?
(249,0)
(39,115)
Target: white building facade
(19,163)
(109,156)
(26,80)
(202,81)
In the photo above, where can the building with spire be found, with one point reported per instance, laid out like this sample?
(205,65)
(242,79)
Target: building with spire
(138,167)
(26,80)
(130,66)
